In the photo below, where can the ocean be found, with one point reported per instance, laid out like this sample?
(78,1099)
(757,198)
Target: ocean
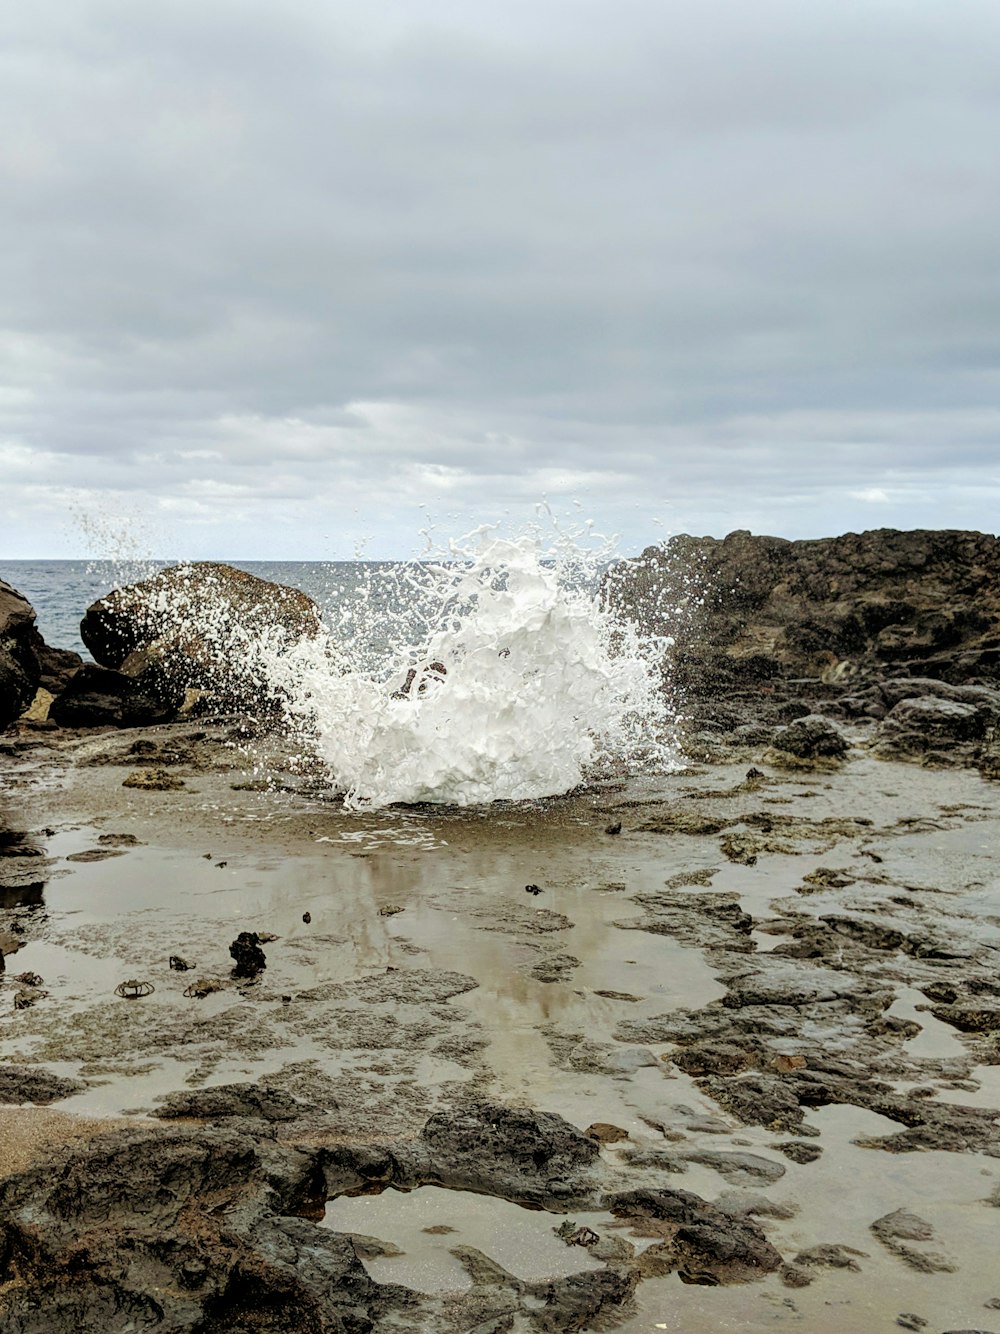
(61,590)
(524,681)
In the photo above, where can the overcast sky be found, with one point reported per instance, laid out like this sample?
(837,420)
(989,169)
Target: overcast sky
(275,276)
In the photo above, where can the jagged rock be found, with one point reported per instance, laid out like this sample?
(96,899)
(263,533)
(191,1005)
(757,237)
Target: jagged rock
(250,958)
(205,626)
(915,728)
(255,1101)
(56,666)
(809,738)
(758,622)
(25,1083)
(702,1243)
(19,667)
(100,697)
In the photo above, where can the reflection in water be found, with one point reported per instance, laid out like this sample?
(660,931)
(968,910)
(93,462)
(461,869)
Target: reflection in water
(23,896)
(418,1231)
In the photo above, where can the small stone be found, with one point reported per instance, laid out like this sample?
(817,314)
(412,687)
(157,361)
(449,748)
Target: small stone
(799,1152)
(390,910)
(615,828)
(154,780)
(907,1320)
(532,889)
(307,917)
(249,956)
(606,1133)
(178,964)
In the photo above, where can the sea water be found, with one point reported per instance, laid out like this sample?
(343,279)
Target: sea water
(491,669)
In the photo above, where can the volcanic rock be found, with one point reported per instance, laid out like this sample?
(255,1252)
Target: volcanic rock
(810,738)
(250,958)
(758,622)
(207,626)
(19,668)
(99,697)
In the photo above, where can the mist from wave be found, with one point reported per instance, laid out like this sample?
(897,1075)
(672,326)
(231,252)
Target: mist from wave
(503,676)
(492,668)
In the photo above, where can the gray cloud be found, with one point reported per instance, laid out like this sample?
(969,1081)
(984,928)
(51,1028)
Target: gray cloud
(276,276)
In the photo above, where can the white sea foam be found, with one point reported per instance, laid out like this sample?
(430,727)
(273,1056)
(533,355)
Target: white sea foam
(501,676)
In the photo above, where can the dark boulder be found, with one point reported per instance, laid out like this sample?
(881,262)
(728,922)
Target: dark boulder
(56,666)
(206,626)
(250,958)
(99,697)
(701,1242)
(524,1155)
(19,668)
(759,622)
(811,738)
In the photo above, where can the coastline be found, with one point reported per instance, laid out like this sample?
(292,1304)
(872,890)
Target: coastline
(631,995)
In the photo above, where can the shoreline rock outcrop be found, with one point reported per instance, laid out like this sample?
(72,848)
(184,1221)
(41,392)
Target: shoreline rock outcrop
(855,627)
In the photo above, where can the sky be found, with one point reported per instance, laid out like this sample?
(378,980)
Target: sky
(300,280)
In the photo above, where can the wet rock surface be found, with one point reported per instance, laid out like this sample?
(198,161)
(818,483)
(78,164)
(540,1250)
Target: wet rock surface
(893,635)
(19,667)
(200,626)
(775,988)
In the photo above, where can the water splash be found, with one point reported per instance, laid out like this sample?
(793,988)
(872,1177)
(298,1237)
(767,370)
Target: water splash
(495,673)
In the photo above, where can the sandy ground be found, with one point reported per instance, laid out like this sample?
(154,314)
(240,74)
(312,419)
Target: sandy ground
(574,989)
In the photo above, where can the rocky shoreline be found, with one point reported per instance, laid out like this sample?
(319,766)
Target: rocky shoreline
(735,1060)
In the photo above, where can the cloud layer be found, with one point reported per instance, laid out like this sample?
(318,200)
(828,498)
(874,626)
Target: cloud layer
(275,277)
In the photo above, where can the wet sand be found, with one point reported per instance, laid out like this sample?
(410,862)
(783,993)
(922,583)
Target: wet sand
(575,1000)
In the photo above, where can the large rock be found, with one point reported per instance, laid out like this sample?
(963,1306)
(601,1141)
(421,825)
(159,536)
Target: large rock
(763,606)
(763,626)
(19,667)
(207,626)
(100,697)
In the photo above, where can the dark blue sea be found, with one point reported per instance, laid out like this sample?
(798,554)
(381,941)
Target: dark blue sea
(61,590)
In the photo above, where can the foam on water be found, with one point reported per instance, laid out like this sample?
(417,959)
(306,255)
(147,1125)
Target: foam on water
(514,683)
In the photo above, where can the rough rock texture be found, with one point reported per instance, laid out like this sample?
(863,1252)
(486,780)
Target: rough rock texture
(99,697)
(214,1228)
(204,625)
(19,668)
(768,630)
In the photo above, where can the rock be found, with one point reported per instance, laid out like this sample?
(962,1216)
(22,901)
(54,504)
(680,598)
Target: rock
(914,727)
(100,697)
(895,1229)
(527,1156)
(759,621)
(832,1255)
(605,1133)
(799,1152)
(555,968)
(19,667)
(27,1083)
(249,956)
(701,1242)
(154,780)
(233,1100)
(103,1234)
(56,666)
(204,626)
(808,739)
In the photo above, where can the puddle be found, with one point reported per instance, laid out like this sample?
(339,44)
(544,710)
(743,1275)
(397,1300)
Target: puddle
(427,1223)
